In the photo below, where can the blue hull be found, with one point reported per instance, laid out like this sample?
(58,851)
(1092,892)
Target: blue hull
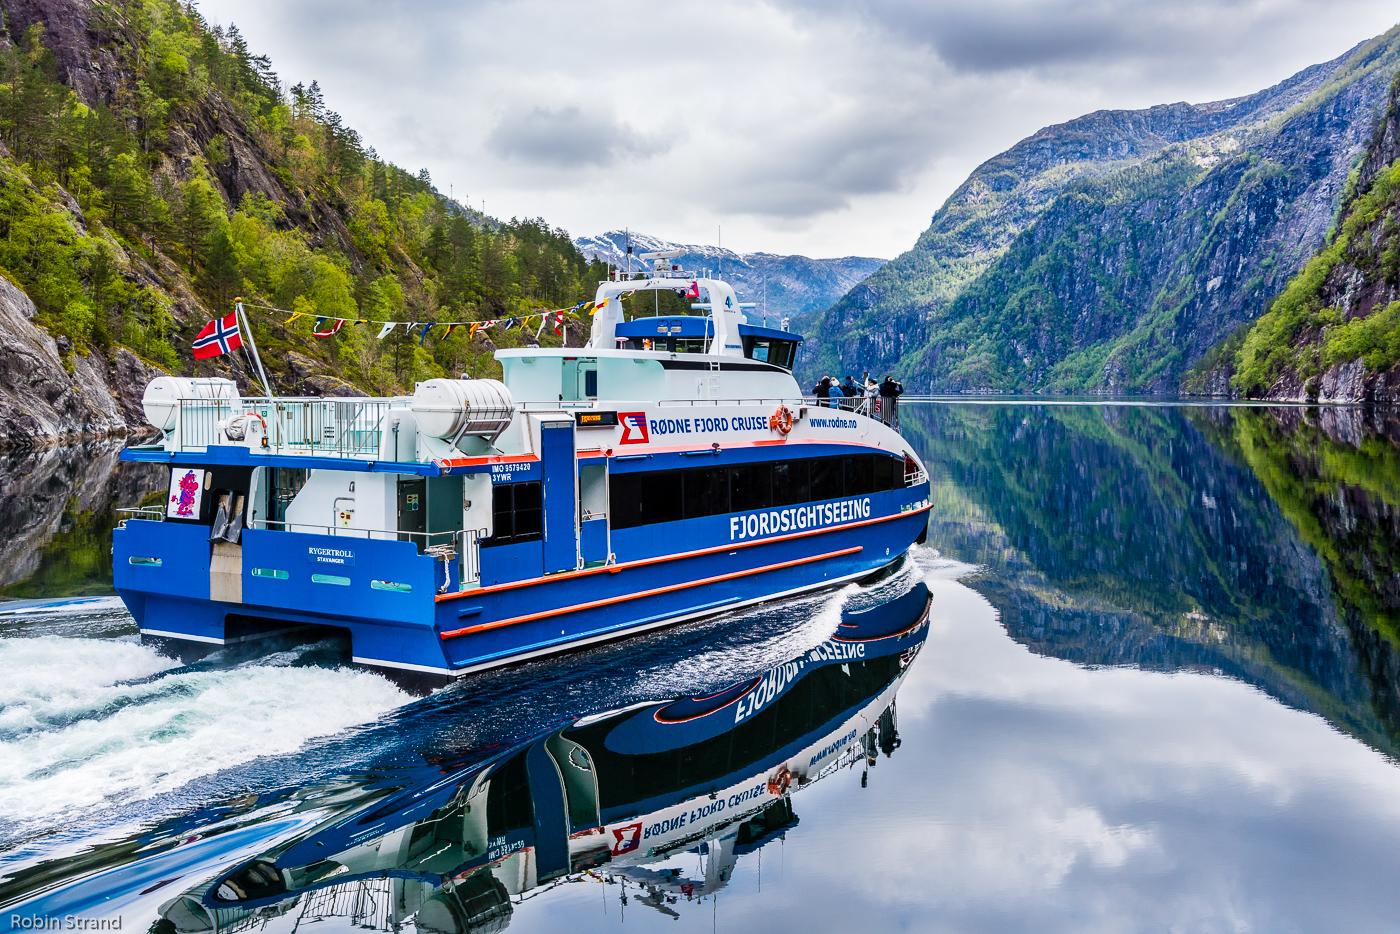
(384,594)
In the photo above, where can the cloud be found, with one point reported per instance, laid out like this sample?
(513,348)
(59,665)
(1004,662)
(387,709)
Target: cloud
(566,137)
(825,127)
(1035,35)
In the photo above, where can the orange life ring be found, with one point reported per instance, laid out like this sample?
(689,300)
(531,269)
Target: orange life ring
(781,420)
(781,782)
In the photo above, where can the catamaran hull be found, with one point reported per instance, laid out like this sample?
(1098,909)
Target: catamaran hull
(384,594)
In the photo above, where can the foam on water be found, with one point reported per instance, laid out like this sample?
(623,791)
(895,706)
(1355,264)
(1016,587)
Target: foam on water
(86,724)
(51,679)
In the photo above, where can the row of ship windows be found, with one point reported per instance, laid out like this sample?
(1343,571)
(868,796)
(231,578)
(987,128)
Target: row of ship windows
(664,496)
(649,497)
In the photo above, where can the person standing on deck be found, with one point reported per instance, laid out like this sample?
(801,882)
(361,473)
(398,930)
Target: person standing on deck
(834,393)
(871,405)
(890,391)
(850,390)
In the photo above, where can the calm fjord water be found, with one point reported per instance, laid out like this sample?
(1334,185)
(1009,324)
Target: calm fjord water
(1160,690)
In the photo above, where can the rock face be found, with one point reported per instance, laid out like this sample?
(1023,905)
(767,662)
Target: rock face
(1112,252)
(57,507)
(49,396)
(796,286)
(1333,335)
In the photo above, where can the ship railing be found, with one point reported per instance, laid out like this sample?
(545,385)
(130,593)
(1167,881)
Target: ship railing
(336,427)
(150,513)
(461,545)
(915,478)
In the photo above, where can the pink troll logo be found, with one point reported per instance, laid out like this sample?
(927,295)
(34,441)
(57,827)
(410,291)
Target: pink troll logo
(184,503)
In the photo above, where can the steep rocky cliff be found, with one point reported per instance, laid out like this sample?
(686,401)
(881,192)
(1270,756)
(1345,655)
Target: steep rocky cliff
(152,167)
(1110,253)
(1333,335)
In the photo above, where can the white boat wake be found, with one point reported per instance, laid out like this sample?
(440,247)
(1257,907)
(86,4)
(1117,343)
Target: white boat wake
(88,723)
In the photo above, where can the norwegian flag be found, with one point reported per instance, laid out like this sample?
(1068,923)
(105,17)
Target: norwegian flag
(559,324)
(218,337)
(694,290)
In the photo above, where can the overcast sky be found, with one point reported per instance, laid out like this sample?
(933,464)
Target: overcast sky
(824,127)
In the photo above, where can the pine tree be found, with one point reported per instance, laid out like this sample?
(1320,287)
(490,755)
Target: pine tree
(220,278)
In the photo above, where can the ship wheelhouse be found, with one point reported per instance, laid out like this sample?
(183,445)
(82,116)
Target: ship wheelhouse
(692,334)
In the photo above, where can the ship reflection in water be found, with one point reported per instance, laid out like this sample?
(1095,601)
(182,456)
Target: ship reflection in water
(613,796)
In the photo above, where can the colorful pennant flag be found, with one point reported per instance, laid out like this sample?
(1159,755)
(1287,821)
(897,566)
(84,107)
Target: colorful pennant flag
(387,329)
(423,335)
(327,327)
(218,337)
(694,291)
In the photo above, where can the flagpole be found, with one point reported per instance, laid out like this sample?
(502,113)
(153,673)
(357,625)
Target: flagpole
(253,345)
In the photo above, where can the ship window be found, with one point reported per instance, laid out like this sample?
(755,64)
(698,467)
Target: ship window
(644,498)
(890,474)
(860,475)
(706,492)
(828,479)
(691,345)
(516,513)
(750,487)
(661,496)
(770,350)
(791,482)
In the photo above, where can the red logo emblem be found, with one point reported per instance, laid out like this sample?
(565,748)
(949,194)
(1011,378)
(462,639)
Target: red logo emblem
(634,427)
(626,839)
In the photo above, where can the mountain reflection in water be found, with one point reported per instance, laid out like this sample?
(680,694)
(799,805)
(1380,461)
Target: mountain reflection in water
(1263,543)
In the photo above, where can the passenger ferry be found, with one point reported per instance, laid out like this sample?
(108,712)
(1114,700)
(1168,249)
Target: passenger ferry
(617,795)
(669,469)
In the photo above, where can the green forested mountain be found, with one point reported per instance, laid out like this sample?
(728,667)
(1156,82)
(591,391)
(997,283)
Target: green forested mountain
(1334,332)
(154,167)
(1112,252)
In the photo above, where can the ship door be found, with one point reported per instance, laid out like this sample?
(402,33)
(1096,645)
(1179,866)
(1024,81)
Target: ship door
(558,463)
(593,541)
(579,379)
(413,509)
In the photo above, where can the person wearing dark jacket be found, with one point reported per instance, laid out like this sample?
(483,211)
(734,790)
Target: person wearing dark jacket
(890,391)
(821,389)
(851,391)
(833,392)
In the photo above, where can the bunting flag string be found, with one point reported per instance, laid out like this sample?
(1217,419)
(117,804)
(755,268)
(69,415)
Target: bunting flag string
(324,326)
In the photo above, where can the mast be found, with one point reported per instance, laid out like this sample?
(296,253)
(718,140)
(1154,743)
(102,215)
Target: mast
(252,346)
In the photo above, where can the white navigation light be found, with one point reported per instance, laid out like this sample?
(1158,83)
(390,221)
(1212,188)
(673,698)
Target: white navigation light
(452,408)
(164,394)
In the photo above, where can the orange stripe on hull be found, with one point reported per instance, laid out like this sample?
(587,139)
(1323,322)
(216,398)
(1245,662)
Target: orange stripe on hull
(653,592)
(662,559)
